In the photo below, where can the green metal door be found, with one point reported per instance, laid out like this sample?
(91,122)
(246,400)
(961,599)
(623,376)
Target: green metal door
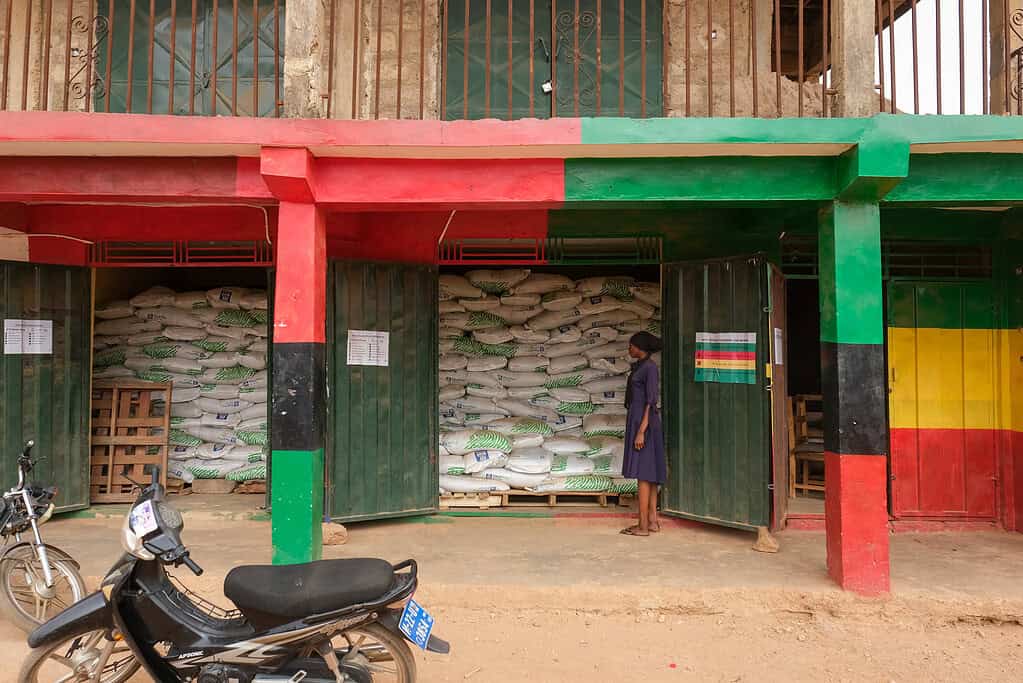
(382,440)
(717,425)
(45,396)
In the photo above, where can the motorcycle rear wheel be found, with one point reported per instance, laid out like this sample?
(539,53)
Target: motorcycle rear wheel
(80,657)
(24,598)
(380,652)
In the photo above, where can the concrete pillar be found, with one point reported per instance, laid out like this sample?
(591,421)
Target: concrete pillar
(1005,33)
(853,59)
(298,383)
(853,383)
(306,58)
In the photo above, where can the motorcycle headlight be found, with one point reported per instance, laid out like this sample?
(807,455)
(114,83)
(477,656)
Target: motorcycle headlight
(132,543)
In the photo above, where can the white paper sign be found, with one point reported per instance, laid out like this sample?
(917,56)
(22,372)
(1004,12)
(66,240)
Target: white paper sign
(367,347)
(28,337)
(779,356)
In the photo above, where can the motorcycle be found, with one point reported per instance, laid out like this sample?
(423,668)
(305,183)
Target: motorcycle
(330,621)
(37,580)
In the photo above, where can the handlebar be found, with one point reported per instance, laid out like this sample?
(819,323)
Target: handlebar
(188,562)
(29,445)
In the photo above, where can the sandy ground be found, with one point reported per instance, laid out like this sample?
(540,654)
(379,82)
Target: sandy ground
(571,600)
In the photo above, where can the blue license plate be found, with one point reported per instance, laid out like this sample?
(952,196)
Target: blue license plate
(416,624)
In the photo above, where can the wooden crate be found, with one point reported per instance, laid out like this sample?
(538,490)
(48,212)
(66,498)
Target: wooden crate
(559,499)
(478,501)
(129,438)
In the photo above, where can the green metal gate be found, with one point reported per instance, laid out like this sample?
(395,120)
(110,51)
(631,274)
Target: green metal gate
(45,397)
(382,439)
(718,434)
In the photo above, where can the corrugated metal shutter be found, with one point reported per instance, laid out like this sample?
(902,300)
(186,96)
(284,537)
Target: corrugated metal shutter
(382,434)
(718,435)
(46,397)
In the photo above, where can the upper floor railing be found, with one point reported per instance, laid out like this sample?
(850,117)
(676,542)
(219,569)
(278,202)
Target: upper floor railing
(506,59)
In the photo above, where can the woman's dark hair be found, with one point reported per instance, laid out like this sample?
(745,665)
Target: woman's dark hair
(646,342)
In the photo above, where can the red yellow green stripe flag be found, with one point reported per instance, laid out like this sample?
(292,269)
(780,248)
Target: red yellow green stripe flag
(726,357)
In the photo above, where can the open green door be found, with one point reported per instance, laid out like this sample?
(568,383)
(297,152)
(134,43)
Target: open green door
(45,395)
(716,403)
(382,434)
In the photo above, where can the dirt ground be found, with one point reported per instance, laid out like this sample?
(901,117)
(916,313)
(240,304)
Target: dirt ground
(571,600)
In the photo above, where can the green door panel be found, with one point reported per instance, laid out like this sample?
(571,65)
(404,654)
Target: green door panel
(255,39)
(718,435)
(46,397)
(382,436)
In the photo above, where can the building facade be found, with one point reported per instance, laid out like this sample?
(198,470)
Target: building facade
(811,171)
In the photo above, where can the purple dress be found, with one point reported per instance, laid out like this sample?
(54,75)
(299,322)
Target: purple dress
(644,389)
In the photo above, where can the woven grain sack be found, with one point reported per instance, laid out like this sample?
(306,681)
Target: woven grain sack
(168,316)
(528,364)
(496,335)
(213,451)
(526,336)
(190,301)
(497,281)
(520,441)
(608,465)
(561,301)
(254,300)
(457,287)
(647,292)
(178,469)
(544,283)
(571,395)
(643,311)
(564,445)
(253,361)
(253,411)
(183,334)
(567,425)
(566,334)
(511,426)
(609,319)
(211,469)
(517,315)
(467,484)
(604,425)
(516,480)
(172,350)
(220,392)
(115,310)
(616,286)
(601,385)
(182,395)
(580,482)
(221,420)
(467,440)
(573,379)
(235,375)
(607,350)
(477,420)
(613,366)
(226,359)
(450,333)
(125,327)
(184,366)
(477,461)
(482,391)
(109,341)
(583,345)
(471,321)
(113,372)
(519,379)
(153,297)
(451,464)
(521,300)
(551,320)
(226,297)
(526,393)
(259,424)
(181,452)
(485,379)
(451,361)
(213,405)
(566,464)
(610,409)
(595,305)
(605,445)
(187,410)
(450,392)
(222,331)
(623,487)
(530,461)
(487,303)
(450,307)
(608,398)
(566,364)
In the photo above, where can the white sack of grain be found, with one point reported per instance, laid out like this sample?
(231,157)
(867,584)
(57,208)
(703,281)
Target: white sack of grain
(153,297)
(605,445)
(253,411)
(467,484)
(235,375)
(561,301)
(482,391)
(607,350)
(214,435)
(226,297)
(613,366)
(222,331)
(185,422)
(526,393)
(496,335)
(647,292)
(477,420)
(511,426)
(220,392)
(516,480)
(213,451)
(218,344)
(486,363)
(222,420)
(477,461)
(641,310)
(211,469)
(457,287)
(520,441)
(170,349)
(213,405)
(125,327)
(566,334)
(449,392)
(519,379)
(530,461)
(185,410)
(563,445)
(520,300)
(467,440)
(486,379)
(487,303)
(573,379)
(604,425)
(583,345)
(610,409)
(113,372)
(476,404)
(253,361)
(181,452)
(168,316)
(178,469)
(631,327)
(452,361)
(184,366)
(608,398)
(550,320)
(544,283)
(497,281)
(608,465)
(451,464)
(609,319)
(608,334)
(526,336)
(593,483)
(143,363)
(570,395)
(528,364)
(516,315)
(595,305)
(450,307)
(181,395)
(258,424)
(115,310)
(185,334)
(450,333)
(517,408)
(190,301)
(254,300)
(471,321)
(567,465)
(109,341)
(601,385)
(617,286)
(567,364)
(224,359)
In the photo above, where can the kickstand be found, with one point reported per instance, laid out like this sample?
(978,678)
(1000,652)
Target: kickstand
(326,650)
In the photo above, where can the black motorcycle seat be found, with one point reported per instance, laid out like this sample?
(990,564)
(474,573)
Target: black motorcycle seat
(300,590)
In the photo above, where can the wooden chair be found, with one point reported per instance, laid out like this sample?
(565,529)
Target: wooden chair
(806,436)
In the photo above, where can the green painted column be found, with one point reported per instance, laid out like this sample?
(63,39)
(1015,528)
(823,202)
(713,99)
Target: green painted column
(853,383)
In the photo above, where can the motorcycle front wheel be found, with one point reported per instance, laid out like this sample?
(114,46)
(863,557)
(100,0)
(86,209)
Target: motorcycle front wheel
(25,598)
(94,656)
(373,653)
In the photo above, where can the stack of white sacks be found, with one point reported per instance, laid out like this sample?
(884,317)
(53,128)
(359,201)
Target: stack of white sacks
(533,369)
(212,347)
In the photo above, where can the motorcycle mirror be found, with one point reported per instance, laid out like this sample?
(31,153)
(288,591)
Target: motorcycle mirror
(137,485)
(156,474)
(30,443)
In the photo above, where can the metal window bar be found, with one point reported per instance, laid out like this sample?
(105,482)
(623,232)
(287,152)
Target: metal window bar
(900,259)
(181,253)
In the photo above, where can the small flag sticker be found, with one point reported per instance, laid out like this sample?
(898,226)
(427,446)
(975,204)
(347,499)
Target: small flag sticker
(726,357)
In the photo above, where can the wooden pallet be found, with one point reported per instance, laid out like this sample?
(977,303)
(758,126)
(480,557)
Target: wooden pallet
(479,501)
(559,499)
(253,486)
(178,487)
(129,437)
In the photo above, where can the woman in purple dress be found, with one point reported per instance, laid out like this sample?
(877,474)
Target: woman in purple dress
(644,438)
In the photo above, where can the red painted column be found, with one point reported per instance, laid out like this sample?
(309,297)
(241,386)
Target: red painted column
(300,301)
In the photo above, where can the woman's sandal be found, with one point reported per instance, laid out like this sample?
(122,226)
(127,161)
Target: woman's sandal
(655,529)
(633,531)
